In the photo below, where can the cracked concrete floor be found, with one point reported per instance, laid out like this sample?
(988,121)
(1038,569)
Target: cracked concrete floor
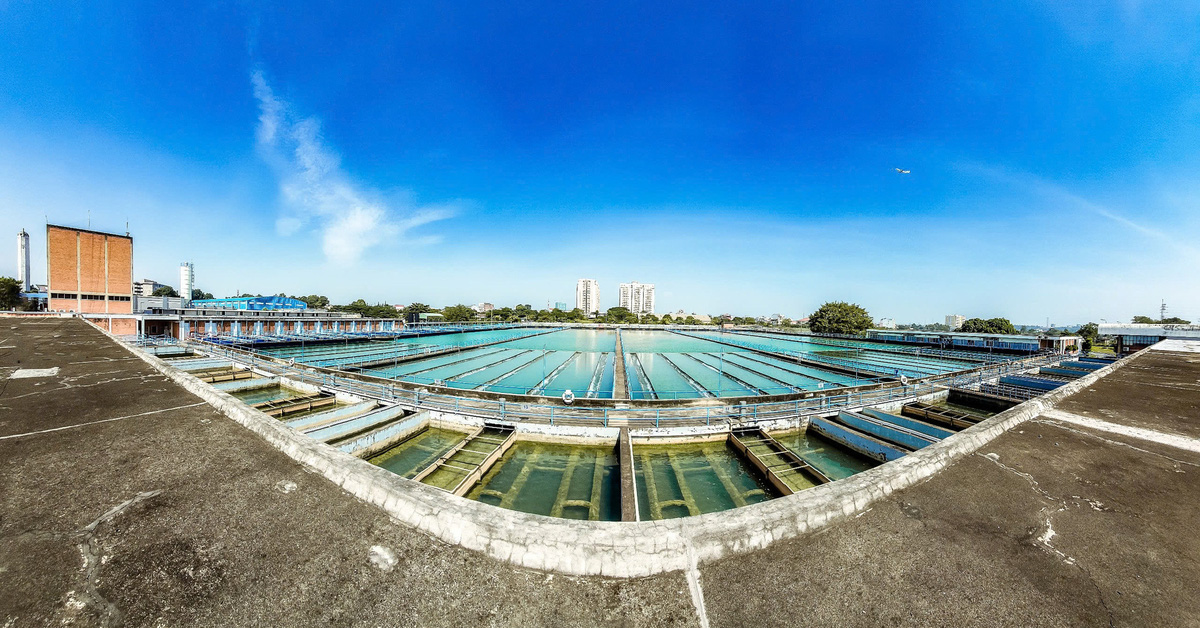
(195,521)
(184,518)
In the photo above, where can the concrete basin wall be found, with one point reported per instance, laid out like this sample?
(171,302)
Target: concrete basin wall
(616,549)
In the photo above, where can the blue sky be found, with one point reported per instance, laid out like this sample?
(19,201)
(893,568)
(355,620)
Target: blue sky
(740,158)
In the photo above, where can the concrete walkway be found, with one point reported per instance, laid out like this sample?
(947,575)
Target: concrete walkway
(126,501)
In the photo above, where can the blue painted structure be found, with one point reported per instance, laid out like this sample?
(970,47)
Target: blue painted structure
(1072,373)
(862,443)
(1080,364)
(912,424)
(1030,382)
(251,303)
(885,431)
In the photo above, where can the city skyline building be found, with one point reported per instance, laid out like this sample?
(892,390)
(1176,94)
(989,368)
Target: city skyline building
(146,287)
(954,321)
(587,296)
(637,297)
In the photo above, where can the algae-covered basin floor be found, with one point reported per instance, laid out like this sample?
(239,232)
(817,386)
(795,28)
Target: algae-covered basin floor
(569,481)
(692,479)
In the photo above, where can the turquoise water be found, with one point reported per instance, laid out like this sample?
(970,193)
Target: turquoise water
(592,340)
(487,361)
(428,364)
(533,374)
(653,341)
(860,353)
(662,380)
(661,364)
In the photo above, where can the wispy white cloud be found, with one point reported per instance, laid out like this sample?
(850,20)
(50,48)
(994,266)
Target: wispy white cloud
(1058,195)
(317,193)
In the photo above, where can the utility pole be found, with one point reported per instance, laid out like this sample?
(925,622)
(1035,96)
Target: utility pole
(1162,311)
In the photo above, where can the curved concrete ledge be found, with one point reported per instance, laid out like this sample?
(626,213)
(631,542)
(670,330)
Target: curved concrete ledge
(615,549)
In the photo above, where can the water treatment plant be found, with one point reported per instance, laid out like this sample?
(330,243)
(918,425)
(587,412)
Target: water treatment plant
(612,454)
(599,315)
(609,453)
(532,418)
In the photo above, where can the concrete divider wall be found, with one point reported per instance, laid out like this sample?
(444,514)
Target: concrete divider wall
(617,549)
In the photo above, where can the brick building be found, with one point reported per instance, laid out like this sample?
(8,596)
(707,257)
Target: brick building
(91,272)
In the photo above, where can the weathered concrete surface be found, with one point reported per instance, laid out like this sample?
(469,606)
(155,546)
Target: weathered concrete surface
(1048,525)
(221,529)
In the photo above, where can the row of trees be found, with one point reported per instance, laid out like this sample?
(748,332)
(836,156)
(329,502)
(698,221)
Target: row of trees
(839,317)
(989,326)
(1172,320)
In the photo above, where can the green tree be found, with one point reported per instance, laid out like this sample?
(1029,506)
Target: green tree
(362,308)
(839,317)
(1144,320)
(576,315)
(200,294)
(651,319)
(1090,334)
(415,309)
(690,320)
(989,326)
(1174,320)
(620,315)
(458,313)
(667,319)
(10,293)
(165,291)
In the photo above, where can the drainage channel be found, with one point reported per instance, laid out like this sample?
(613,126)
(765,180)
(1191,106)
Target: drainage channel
(644,380)
(597,377)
